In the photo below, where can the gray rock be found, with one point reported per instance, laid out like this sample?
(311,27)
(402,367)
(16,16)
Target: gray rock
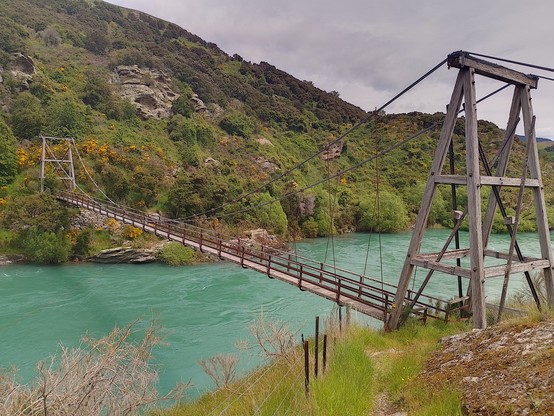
(148,89)
(124,255)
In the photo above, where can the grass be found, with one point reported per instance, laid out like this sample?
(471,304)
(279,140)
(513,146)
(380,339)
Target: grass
(367,370)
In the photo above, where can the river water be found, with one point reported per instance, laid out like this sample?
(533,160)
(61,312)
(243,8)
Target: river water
(204,309)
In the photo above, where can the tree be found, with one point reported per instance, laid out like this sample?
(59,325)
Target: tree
(183,200)
(50,37)
(8,157)
(107,376)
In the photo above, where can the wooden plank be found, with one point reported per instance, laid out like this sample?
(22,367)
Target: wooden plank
(451,179)
(487,180)
(462,59)
(505,256)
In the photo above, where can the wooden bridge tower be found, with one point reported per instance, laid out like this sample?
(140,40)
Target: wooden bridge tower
(58,152)
(478,174)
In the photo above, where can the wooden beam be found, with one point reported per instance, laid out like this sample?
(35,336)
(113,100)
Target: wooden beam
(516,268)
(514,182)
(538,195)
(425,207)
(439,267)
(448,255)
(477,278)
(463,59)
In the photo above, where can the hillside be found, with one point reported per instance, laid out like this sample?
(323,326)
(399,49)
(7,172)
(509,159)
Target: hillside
(168,122)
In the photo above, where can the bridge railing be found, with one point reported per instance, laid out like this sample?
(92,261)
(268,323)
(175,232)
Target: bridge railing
(337,283)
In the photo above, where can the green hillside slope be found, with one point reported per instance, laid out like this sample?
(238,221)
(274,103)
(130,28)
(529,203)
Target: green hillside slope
(168,122)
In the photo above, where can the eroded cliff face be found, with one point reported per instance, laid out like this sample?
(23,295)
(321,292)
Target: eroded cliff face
(148,89)
(505,369)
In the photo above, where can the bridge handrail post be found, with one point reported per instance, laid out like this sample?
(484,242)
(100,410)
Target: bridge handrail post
(269,266)
(201,237)
(242,257)
(321,271)
(219,244)
(339,281)
(301,270)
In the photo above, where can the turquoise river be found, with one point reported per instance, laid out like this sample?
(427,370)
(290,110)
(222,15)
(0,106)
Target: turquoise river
(204,309)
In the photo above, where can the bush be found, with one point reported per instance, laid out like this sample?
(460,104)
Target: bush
(8,157)
(83,240)
(238,124)
(107,376)
(392,217)
(176,254)
(27,117)
(46,247)
(183,106)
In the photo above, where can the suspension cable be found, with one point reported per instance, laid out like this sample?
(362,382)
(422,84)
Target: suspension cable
(87,172)
(510,61)
(324,148)
(357,165)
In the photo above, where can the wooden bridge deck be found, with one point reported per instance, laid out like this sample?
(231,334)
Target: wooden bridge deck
(369,296)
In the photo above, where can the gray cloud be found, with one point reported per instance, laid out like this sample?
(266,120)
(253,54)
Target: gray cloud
(369,50)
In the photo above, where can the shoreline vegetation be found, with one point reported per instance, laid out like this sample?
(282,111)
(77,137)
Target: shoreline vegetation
(421,369)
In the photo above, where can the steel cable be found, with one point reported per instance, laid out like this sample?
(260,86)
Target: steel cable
(324,148)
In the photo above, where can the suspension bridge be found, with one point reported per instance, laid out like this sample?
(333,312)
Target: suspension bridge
(374,297)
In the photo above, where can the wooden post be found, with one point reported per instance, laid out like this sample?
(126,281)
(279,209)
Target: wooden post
(477,274)
(425,207)
(306,368)
(538,195)
(324,352)
(316,351)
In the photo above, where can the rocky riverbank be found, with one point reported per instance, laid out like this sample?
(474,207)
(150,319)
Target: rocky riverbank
(506,369)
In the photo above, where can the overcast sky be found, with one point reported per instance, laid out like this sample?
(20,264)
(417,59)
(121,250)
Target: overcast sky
(369,50)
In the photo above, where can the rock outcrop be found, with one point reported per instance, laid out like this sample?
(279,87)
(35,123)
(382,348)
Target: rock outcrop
(21,68)
(125,255)
(148,89)
(506,369)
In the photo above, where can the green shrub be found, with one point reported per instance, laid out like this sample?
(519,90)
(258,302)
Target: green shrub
(8,158)
(238,124)
(46,247)
(83,239)
(176,254)
(392,215)
(183,106)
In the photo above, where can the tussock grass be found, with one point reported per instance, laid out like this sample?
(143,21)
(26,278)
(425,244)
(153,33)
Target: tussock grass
(368,372)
